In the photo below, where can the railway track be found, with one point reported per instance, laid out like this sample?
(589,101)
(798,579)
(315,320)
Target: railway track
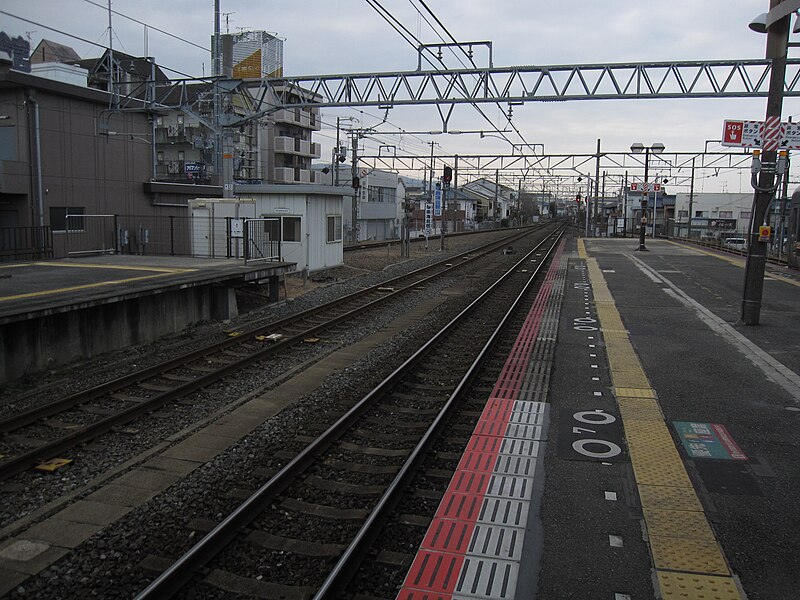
(85,415)
(345,483)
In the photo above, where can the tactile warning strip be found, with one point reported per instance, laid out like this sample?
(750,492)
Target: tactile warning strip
(690,586)
(689,562)
(473,546)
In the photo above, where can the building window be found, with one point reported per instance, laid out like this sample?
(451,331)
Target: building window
(272,229)
(334,228)
(682,214)
(59,221)
(181,155)
(699,213)
(381,194)
(726,214)
(745,214)
(291,229)
(160,157)
(180,119)
(159,121)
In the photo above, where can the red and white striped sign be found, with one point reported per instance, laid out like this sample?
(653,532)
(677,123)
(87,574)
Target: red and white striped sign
(773,133)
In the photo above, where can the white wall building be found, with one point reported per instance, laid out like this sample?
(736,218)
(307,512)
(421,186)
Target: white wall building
(713,215)
(378,206)
(310,221)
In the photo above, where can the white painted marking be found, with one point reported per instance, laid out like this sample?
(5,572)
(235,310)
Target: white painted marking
(609,271)
(595,379)
(615,541)
(593,366)
(618,596)
(597,393)
(591,337)
(592,346)
(772,368)
(611,496)
(593,356)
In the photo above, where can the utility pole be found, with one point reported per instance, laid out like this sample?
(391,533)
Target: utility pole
(354,170)
(777,48)
(496,196)
(625,207)
(603,195)
(336,156)
(216,66)
(596,187)
(691,203)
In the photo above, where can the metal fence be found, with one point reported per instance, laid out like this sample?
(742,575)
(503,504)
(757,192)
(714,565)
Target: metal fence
(25,243)
(197,236)
(262,239)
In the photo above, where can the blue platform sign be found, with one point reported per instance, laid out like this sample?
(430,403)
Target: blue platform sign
(708,440)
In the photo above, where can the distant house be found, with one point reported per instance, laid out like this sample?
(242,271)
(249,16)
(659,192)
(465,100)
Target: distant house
(53,52)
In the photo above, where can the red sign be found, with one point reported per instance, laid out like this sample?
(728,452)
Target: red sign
(656,187)
(733,132)
(634,187)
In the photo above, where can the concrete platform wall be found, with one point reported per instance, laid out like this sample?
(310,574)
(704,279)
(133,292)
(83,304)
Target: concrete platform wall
(52,339)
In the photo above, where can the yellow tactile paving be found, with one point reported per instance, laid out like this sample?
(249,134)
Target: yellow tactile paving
(677,523)
(681,539)
(681,554)
(669,497)
(639,409)
(690,586)
(622,392)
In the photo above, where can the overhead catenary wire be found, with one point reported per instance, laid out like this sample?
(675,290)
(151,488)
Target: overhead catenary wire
(76,37)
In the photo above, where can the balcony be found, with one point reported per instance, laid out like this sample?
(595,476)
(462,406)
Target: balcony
(297,116)
(290,175)
(288,145)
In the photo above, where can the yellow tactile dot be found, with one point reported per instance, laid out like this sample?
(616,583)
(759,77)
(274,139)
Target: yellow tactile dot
(681,554)
(689,586)
(639,409)
(655,473)
(678,523)
(629,378)
(634,392)
(669,497)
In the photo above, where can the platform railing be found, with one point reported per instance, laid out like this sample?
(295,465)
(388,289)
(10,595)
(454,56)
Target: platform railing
(26,243)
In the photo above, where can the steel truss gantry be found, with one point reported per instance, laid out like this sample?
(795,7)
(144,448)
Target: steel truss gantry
(573,164)
(678,79)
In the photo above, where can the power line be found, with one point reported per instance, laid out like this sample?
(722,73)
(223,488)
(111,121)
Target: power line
(172,35)
(76,37)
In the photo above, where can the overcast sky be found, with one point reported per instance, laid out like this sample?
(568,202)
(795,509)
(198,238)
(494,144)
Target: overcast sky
(348,36)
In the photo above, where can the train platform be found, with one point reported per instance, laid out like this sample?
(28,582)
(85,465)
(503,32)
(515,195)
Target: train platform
(52,312)
(639,443)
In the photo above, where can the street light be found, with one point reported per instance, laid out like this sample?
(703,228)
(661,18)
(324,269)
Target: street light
(638,148)
(775,24)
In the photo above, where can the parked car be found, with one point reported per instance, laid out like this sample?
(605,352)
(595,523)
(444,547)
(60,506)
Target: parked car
(735,243)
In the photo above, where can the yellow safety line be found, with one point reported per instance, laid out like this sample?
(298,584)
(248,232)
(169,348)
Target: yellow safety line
(738,262)
(117,267)
(80,287)
(689,562)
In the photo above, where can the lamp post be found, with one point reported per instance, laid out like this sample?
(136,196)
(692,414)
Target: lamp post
(775,24)
(638,148)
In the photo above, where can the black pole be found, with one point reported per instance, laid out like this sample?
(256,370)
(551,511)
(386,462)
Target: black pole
(642,247)
(777,45)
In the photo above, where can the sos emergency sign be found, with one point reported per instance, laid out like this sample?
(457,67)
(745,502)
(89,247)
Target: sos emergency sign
(751,134)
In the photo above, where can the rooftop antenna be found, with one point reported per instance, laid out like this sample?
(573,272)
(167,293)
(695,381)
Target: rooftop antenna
(227,21)
(110,52)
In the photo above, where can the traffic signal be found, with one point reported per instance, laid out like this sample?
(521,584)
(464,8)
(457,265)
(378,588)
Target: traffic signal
(447,177)
(577,198)
(356,183)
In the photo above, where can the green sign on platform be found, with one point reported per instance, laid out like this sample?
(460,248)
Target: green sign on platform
(708,440)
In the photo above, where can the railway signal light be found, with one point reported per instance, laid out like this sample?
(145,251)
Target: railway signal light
(578,198)
(356,183)
(447,177)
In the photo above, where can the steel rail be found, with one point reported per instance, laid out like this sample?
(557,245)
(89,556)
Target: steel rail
(346,567)
(181,571)
(16,464)
(27,417)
